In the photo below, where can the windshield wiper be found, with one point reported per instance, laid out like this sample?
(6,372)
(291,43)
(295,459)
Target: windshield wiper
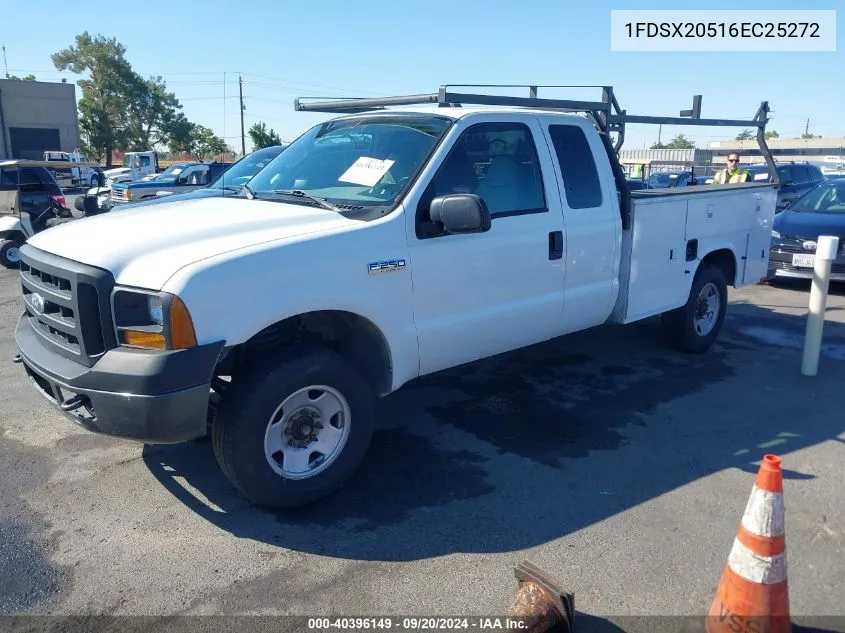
(301,194)
(250,194)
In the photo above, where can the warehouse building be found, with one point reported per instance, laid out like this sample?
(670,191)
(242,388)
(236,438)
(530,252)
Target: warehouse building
(814,150)
(37,116)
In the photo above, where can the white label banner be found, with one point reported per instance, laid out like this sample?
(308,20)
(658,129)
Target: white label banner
(723,30)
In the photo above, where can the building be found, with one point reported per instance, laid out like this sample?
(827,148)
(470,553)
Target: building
(641,162)
(814,150)
(37,116)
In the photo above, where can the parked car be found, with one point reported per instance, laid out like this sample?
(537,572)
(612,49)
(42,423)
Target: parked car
(179,177)
(229,183)
(663,179)
(795,180)
(795,231)
(376,248)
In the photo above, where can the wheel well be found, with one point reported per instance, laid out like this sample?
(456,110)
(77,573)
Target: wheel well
(15,236)
(355,338)
(724,260)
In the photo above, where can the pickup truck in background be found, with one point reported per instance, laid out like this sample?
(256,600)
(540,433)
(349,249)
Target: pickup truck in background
(180,177)
(378,247)
(135,166)
(76,176)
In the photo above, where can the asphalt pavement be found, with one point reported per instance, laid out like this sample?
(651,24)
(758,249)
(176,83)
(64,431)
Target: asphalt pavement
(619,466)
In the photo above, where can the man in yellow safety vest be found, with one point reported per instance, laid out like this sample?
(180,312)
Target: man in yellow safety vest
(732,173)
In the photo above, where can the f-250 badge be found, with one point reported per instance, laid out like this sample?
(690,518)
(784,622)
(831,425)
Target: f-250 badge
(388,266)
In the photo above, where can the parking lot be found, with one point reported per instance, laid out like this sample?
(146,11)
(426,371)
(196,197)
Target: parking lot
(617,465)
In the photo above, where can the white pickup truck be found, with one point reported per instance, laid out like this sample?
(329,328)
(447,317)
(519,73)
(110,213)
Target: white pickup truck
(378,247)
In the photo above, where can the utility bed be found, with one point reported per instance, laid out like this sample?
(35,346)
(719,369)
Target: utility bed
(670,228)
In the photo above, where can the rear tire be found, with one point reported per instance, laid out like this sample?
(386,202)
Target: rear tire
(10,256)
(696,325)
(289,456)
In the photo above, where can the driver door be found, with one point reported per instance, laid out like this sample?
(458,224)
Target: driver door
(480,294)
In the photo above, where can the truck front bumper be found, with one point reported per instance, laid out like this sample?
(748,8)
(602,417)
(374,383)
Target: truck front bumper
(153,397)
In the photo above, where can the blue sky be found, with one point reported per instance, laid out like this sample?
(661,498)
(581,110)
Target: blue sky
(335,48)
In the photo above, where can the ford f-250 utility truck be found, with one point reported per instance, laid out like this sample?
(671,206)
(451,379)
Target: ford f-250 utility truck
(380,246)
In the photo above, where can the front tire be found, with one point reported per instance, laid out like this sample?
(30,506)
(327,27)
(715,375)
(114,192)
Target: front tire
(10,256)
(292,430)
(696,325)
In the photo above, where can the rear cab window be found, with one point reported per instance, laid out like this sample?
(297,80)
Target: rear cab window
(581,183)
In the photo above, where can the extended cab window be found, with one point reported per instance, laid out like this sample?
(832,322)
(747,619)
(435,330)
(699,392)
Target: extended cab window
(581,184)
(497,162)
(145,161)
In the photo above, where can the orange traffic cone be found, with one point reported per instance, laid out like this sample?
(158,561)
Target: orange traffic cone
(753,595)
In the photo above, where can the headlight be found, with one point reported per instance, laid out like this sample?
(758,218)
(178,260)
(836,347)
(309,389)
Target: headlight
(775,234)
(152,320)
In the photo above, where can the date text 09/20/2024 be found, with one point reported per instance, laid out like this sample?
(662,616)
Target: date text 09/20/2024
(416,624)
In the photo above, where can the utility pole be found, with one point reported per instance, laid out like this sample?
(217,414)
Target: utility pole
(659,132)
(5,63)
(807,128)
(243,137)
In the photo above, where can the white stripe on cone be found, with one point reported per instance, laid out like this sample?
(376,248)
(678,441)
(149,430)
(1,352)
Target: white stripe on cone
(766,570)
(764,513)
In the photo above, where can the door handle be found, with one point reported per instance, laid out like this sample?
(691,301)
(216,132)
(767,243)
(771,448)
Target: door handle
(555,244)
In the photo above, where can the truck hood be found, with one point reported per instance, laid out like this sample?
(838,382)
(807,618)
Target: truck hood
(116,171)
(144,247)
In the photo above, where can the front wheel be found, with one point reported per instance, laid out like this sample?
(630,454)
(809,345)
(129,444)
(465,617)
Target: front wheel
(10,254)
(293,430)
(695,326)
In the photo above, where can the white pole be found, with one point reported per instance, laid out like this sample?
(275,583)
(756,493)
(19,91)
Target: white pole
(825,254)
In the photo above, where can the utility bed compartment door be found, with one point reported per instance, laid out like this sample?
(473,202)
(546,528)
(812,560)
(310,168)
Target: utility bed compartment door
(656,252)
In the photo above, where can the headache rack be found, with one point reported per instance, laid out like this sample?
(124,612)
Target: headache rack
(609,118)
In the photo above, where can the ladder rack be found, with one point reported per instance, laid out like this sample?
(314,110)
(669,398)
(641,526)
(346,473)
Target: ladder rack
(607,115)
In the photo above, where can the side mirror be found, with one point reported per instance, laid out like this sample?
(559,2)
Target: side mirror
(461,213)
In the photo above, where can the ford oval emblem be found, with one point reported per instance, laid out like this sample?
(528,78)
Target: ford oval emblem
(37,302)
(809,245)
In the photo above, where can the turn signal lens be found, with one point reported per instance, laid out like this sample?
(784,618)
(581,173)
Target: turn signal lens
(149,340)
(182,335)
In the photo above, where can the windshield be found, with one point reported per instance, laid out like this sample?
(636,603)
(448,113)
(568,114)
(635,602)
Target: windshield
(241,172)
(661,179)
(361,161)
(826,198)
(127,160)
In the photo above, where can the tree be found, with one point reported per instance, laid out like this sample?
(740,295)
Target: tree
(154,113)
(199,141)
(807,135)
(27,78)
(772,134)
(680,142)
(107,92)
(745,135)
(261,137)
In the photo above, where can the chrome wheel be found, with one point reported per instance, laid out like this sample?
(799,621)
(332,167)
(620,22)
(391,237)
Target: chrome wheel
(307,432)
(707,308)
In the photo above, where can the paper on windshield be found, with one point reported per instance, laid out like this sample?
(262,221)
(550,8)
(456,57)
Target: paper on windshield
(366,171)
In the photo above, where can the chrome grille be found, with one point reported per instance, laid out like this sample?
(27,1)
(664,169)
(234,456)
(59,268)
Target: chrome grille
(67,304)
